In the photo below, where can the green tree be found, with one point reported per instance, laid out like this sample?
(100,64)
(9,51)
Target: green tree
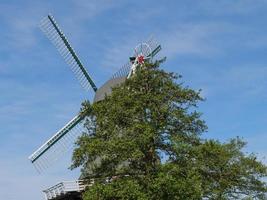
(144,142)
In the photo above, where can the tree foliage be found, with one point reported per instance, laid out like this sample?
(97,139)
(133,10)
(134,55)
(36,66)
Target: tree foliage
(144,142)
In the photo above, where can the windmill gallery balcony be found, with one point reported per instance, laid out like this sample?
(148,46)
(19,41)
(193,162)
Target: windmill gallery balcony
(70,190)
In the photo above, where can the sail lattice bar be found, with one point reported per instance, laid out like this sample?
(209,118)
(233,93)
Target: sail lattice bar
(51,29)
(65,134)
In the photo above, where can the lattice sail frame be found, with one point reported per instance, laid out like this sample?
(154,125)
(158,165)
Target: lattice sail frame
(58,144)
(51,29)
(64,139)
(125,69)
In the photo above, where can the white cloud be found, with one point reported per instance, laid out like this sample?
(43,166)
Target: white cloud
(187,40)
(20,25)
(25,183)
(257,144)
(88,9)
(247,81)
(229,7)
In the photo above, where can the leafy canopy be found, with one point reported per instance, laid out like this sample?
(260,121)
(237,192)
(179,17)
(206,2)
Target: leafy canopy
(144,142)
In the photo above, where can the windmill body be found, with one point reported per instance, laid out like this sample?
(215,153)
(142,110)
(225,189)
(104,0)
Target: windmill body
(64,139)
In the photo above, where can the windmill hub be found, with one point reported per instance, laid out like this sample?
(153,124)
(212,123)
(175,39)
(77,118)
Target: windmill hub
(142,52)
(141,59)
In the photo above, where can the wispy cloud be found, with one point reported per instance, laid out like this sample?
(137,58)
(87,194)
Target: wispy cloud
(245,81)
(26,184)
(190,40)
(237,7)
(257,145)
(90,9)
(21,25)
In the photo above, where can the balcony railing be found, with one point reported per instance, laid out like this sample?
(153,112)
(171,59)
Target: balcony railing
(64,188)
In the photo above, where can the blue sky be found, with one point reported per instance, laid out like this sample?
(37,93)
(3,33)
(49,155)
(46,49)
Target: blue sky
(218,46)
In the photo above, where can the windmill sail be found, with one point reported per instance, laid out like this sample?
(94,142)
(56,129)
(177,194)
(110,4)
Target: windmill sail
(49,26)
(64,139)
(155,47)
(58,144)
(125,69)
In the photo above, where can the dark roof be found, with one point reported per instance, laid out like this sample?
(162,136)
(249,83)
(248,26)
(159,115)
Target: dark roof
(106,89)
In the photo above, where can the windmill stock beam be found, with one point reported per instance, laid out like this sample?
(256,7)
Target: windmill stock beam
(72,53)
(46,146)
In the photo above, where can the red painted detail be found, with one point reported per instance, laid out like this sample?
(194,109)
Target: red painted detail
(140,59)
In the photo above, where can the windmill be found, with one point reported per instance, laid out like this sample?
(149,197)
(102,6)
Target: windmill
(64,139)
